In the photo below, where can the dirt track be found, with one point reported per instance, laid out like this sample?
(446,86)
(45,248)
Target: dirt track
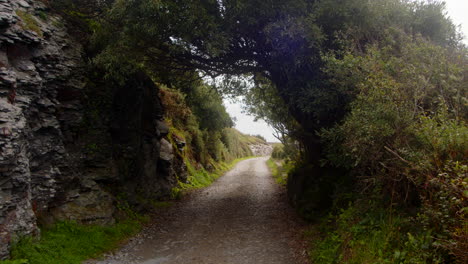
(242,218)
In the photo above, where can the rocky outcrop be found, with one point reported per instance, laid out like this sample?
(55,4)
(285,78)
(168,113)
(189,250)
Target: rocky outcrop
(59,158)
(261,149)
(144,156)
(37,60)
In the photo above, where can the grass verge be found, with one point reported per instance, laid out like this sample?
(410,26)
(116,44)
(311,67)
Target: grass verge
(202,178)
(369,234)
(279,172)
(71,243)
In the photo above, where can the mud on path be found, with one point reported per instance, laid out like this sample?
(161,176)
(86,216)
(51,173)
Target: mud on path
(242,218)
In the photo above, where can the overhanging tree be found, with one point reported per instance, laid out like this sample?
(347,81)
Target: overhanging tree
(280,40)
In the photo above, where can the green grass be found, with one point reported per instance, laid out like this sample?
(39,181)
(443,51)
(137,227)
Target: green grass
(280,173)
(201,178)
(71,243)
(358,235)
(18,261)
(161,204)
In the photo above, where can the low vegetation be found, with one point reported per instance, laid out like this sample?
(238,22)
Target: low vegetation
(210,142)
(405,145)
(71,243)
(368,97)
(202,178)
(367,234)
(278,152)
(212,146)
(277,171)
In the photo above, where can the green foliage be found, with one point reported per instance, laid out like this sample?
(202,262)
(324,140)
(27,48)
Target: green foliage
(68,242)
(42,15)
(365,233)
(264,102)
(201,178)
(29,22)
(207,105)
(406,133)
(198,178)
(375,87)
(394,100)
(280,170)
(236,143)
(17,261)
(278,151)
(211,141)
(81,15)
(285,45)
(279,42)
(212,147)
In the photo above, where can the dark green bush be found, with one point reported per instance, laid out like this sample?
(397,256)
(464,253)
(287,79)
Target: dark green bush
(406,134)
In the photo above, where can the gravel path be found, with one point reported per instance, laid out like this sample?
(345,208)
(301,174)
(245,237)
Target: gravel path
(242,218)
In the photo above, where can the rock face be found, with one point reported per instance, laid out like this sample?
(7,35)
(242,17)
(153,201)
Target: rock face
(261,149)
(34,66)
(144,156)
(56,161)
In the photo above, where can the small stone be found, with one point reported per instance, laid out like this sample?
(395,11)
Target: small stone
(23,3)
(166,152)
(162,128)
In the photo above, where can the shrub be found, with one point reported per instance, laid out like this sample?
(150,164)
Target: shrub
(278,151)
(406,136)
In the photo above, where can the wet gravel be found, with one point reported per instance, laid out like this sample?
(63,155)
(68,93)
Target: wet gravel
(242,218)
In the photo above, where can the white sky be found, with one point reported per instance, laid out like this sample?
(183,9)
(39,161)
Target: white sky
(246,123)
(456,9)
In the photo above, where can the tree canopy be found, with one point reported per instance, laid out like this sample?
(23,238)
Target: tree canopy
(283,41)
(374,91)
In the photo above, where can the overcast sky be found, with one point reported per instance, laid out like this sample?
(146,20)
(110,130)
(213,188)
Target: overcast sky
(456,9)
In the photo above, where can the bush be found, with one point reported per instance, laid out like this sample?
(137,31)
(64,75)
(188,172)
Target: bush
(406,136)
(278,151)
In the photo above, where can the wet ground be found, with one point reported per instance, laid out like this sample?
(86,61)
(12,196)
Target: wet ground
(242,218)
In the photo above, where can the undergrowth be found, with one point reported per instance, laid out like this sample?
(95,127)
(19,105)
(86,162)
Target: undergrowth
(70,243)
(367,233)
(200,178)
(280,170)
